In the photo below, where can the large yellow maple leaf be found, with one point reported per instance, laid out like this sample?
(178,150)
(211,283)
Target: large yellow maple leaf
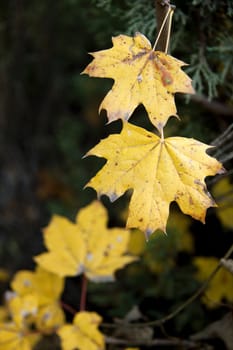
(141,76)
(86,246)
(159,171)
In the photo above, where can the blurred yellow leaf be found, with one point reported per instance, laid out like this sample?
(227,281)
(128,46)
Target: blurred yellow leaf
(46,285)
(141,76)
(49,318)
(45,288)
(223,192)
(23,309)
(86,246)
(159,171)
(221,286)
(83,334)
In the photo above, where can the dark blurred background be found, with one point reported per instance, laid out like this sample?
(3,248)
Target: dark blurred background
(49,112)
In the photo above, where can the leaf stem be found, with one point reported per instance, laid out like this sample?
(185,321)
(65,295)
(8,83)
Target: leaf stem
(83,293)
(162,134)
(169,14)
(68,308)
(169,28)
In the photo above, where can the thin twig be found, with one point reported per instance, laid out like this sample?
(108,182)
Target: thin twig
(214,107)
(219,177)
(182,306)
(227,134)
(154,342)
(224,149)
(227,158)
(68,308)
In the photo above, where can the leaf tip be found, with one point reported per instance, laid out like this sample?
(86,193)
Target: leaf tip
(148,233)
(112,196)
(221,171)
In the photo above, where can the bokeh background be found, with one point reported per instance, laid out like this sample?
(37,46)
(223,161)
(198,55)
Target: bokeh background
(49,120)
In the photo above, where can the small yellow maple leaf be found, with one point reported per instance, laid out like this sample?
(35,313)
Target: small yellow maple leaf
(45,285)
(141,76)
(83,334)
(86,246)
(159,171)
(220,286)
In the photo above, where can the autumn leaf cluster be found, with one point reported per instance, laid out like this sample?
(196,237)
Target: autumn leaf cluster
(33,307)
(159,170)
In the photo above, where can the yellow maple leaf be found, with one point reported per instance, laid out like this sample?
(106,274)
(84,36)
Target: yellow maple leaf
(83,334)
(141,76)
(86,246)
(220,286)
(45,285)
(159,171)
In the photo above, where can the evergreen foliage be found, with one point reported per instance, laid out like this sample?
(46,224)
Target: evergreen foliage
(195,36)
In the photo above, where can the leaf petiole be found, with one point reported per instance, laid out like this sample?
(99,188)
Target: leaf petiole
(83,293)
(168,17)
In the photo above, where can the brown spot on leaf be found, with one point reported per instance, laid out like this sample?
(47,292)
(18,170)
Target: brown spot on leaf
(166,78)
(191,200)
